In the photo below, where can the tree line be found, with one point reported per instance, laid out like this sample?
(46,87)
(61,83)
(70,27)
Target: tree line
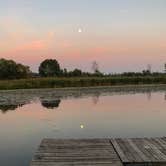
(9,69)
(12,70)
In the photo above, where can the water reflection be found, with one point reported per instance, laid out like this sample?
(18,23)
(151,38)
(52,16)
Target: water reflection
(50,99)
(149,95)
(82,126)
(50,103)
(84,113)
(5,108)
(96,98)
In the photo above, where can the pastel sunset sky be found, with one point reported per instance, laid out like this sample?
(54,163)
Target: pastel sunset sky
(121,35)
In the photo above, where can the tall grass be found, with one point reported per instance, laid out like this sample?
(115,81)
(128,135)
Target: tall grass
(33,83)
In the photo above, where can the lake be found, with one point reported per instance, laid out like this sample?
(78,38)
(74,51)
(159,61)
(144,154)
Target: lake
(28,116)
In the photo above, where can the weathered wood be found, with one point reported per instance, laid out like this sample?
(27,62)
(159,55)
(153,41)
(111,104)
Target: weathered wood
(100,152)
(72,152)
(141,151)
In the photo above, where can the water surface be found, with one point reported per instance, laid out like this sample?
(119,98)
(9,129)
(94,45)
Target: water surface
(28,116)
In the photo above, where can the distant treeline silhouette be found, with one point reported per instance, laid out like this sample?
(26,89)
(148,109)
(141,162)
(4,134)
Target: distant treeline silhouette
(9,69)
(12,70)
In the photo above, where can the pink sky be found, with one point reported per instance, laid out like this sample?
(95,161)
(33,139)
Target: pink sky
(125,40)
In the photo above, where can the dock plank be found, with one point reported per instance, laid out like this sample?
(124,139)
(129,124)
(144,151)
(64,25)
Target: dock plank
(141,151)
(83,152)
(100,152)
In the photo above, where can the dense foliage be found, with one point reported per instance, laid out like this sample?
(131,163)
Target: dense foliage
(11,70)
(49,68)
(57,82)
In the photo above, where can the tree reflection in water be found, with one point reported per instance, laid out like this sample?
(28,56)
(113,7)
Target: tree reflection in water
(5,108)
(52,100)
(149,95)
(96,98)
(50,104)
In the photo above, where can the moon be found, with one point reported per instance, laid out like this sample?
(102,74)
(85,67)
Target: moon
(79,30)
(81,126)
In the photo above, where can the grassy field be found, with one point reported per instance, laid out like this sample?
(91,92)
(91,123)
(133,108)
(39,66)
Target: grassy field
(78,82)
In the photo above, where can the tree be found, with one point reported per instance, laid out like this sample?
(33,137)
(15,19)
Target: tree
(146,72)
(77,72)
(49,68)
(65,73)
(149,68)
(23,71)
(11,70)
(95,67)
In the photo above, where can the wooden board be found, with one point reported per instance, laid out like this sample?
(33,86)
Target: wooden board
(82,152)
(141,151)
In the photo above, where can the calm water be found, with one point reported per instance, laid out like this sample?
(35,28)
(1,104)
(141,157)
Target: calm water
(27,117)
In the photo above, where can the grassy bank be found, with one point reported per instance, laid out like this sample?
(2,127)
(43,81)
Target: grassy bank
(79,82)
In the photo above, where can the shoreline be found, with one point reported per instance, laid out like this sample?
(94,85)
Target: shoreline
(81,82)
(110,87)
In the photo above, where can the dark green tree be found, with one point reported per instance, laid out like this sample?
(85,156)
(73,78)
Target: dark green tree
(11,70)
(23,71)
(49,68)
(65,72)
(77,72)
(146,72)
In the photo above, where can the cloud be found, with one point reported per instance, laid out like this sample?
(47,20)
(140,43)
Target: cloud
(39,44)
(51,34)
(17,35)
(100,50)
(34,45)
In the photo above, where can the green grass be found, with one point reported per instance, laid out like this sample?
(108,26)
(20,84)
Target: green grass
(79,82)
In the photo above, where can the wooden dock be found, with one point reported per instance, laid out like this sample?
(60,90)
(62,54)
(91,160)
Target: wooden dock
(141,151)
(76,153)
(101,152)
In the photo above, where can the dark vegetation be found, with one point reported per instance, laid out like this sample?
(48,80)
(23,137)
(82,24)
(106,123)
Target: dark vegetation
(12,70)
(18,76)
(61,82)
(50,104)
(49,68)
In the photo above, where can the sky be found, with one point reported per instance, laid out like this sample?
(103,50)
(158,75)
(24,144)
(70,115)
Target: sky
(121,35)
